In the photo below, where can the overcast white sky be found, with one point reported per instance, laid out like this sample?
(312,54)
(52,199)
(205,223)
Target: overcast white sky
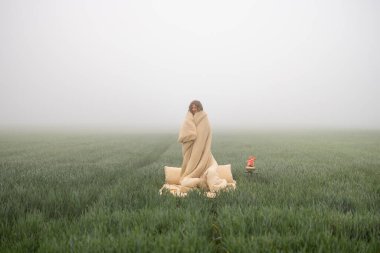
(138,64)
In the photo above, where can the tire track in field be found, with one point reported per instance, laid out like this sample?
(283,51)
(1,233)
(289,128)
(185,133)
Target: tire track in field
(110,179)
(215,230)
(126,170)
(153,156)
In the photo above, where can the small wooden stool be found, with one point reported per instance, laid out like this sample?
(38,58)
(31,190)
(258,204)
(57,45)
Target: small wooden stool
(250,170)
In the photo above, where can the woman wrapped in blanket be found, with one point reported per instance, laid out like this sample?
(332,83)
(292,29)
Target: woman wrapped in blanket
(199,168)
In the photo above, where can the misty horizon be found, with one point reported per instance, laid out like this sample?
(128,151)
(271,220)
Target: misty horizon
(137,65)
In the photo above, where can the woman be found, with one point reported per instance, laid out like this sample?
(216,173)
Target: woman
(199,168)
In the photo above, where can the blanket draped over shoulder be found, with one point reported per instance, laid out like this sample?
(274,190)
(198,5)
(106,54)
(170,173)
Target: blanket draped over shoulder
(199,168)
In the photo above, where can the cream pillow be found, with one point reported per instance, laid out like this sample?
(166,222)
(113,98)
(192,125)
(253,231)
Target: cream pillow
(172,175)
(224,171)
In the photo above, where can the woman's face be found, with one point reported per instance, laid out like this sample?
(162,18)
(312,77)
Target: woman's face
(194,109)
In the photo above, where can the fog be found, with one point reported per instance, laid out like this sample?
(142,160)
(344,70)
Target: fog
(138,64)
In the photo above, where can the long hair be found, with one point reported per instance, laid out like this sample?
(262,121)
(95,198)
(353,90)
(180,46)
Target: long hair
(197,104)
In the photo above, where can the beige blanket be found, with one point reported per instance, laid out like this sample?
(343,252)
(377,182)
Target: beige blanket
(199,168)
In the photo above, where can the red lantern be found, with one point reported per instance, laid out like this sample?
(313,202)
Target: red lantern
(251,161)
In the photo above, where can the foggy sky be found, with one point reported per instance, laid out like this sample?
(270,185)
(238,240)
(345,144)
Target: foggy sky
(138,64)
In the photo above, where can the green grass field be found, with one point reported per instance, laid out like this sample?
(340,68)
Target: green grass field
(78,192)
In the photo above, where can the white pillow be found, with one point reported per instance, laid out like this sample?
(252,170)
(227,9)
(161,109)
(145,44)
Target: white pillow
(224,171)
(172,175)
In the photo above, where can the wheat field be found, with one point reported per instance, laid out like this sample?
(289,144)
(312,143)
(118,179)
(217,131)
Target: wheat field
(316,191)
